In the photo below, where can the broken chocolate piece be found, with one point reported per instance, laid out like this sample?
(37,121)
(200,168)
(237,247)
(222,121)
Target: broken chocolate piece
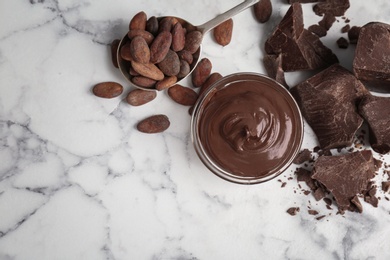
(342,43)
(299,49)
(345,176)
(376,111)
(353,34)
(303,156)
(327,101)
(331,7)
(317,30)
(312,212)
(293,211)
(319,194)
(273,66)
(372,56)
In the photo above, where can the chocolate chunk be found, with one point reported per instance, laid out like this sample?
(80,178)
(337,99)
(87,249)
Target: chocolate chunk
(376,111)
(273,66)
(327,101)
(371,63)
(345,176)
(293,211)
(331,7)
(317,30)
(342,43)
(353,34)
(299,49)
(303,156)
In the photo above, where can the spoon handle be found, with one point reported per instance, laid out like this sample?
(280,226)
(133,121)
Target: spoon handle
(207,26)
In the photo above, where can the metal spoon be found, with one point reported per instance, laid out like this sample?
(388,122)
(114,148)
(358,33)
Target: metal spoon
(203,28)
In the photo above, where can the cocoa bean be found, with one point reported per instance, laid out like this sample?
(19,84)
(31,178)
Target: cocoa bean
(138,97)
(186,55)
(262,10)
(107,89)
(223,32)
(201,72)
(148,70)
(138,21)
(125,52)
(139,50)
(184,69)
(143,81)
(193,41)
(114,49)
(178,37)
(153,124)
(160,46)
(152,25)
(170,65)
(144,34)
(182,95)
(167,82)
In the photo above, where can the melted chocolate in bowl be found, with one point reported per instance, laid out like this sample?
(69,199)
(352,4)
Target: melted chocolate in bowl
(247,128)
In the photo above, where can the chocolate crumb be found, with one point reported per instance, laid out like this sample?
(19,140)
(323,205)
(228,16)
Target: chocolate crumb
(371,198)
(293,211)
(355,201)
(303,156)
(342,43)
(312,212)
(346,28)
(320,217)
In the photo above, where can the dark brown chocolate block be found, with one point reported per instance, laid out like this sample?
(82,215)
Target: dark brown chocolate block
(376,111)
(328,102)
(372,56)
(345,176)
(300,49)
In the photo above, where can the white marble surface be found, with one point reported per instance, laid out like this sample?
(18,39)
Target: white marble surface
(77,181)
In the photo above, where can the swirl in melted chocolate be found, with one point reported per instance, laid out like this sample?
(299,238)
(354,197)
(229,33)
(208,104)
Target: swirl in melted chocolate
(250,128)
